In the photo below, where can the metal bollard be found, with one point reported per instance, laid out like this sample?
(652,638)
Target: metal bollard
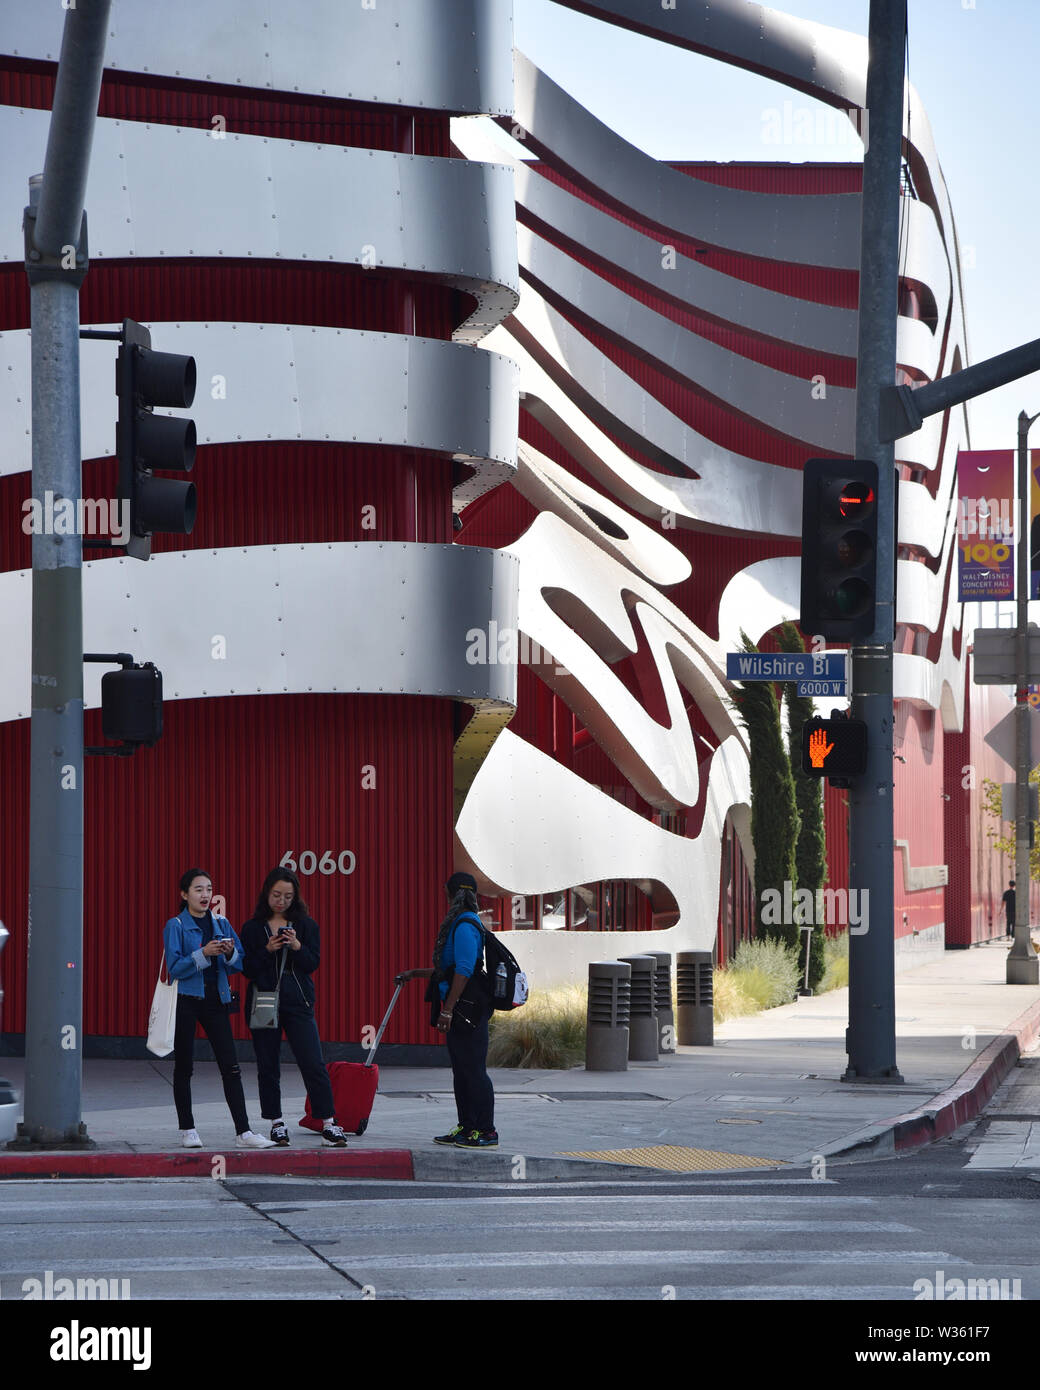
(642,1023)
(663,1001)
(606,1037)
(693,990)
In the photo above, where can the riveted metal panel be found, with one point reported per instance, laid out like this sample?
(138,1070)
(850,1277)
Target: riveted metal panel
(311,383)
(450,218)
(284,619)
(451,55)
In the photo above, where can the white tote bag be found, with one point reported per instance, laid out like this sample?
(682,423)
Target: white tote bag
(162,1020)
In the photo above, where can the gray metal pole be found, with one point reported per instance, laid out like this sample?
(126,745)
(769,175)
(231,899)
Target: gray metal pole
(56,264)
(1023,966)
(870,1041)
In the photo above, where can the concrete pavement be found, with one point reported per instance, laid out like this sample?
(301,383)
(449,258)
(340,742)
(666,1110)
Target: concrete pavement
(766,1094)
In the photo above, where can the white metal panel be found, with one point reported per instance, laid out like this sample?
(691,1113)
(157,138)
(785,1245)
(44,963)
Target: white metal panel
(288,621)
(451,55)
(170,191)
(285,382)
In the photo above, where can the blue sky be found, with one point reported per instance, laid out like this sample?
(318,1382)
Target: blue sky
(976,66)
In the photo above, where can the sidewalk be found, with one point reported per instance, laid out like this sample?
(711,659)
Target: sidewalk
(767,1094)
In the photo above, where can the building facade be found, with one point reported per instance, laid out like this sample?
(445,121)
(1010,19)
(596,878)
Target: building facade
(498,456)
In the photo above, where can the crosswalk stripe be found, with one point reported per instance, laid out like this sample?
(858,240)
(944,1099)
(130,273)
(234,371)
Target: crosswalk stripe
(507,1259)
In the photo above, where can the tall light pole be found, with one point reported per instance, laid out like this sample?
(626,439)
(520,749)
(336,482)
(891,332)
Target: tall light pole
(1023,966)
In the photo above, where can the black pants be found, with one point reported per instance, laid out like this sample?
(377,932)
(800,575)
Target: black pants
(474,1093)
(301,1031)
(217,1027)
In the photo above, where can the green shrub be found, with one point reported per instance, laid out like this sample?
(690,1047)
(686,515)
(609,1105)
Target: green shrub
(767,972)
(548,1033)
(836,963)
(728,997)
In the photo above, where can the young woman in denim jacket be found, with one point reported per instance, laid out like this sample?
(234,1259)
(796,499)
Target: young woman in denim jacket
(201,951)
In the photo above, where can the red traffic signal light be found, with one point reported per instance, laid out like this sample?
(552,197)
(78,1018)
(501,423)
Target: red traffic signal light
(839,548)
(835,748)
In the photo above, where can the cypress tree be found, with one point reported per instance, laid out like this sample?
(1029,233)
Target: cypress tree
(774,815)
(811,850)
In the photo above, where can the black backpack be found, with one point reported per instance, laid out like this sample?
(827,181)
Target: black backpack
(504,982)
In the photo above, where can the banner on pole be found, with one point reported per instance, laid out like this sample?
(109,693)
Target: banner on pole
(1034,523)
(986,523)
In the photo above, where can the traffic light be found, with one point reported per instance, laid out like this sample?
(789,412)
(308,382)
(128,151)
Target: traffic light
(839,548)
(834,748)
(131,704)
(146,441)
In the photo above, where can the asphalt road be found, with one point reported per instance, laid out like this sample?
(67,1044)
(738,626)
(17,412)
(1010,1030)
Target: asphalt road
(861,1231)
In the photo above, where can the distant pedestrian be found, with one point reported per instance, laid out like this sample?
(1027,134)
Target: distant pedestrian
(201,951)
(282,951)
(1009,908)
(460,1007)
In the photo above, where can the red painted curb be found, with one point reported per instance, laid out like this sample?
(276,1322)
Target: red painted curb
(966,1098)
(389,1164)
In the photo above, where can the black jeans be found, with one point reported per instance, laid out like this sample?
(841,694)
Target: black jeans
(301,1031)
(217,1027)
(474,1093)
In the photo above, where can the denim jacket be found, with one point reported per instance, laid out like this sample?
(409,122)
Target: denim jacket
(182,941)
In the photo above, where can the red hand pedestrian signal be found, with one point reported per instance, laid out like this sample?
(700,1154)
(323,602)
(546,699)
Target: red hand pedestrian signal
(819,748)
(834,748)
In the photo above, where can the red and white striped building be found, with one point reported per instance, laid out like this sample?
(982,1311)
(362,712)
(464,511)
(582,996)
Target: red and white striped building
(606,368)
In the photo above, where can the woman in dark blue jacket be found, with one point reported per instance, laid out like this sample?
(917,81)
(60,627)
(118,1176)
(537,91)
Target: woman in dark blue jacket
(201,951)
(461,1008)
(282,946)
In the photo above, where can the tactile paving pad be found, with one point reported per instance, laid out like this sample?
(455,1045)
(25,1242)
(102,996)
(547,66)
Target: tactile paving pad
(677,1159)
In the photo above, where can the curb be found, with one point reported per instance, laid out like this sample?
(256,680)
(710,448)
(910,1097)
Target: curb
(388,1164)
(453,1165)
(957,1105)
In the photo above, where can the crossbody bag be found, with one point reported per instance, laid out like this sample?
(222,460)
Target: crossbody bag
(264,1013)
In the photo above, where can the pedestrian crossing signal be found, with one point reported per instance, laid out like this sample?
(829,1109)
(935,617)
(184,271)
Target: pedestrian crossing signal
(834,748)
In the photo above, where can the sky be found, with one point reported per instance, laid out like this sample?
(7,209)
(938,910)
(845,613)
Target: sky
(976,67)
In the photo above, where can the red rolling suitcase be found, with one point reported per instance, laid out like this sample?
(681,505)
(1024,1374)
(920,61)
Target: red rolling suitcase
(353,1086)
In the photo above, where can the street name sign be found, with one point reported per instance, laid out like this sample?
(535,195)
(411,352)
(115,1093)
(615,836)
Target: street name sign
(788,666)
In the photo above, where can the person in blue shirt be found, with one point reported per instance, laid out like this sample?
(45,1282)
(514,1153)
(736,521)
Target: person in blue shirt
(201,950)
(460,1002)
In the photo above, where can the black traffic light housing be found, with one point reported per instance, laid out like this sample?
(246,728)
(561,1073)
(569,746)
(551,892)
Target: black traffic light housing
(131,704)
(146,441)
(839,548)
(835,748)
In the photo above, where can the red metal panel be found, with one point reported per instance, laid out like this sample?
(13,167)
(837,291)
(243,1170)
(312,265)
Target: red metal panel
(273,494)
(278,115)
(233,785)
(957,817)
(917,736)
(332,296)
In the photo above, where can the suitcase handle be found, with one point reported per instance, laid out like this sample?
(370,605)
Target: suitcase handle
(382,1027)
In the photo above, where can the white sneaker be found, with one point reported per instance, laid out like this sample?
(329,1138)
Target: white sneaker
(249,1140)
(190,1139)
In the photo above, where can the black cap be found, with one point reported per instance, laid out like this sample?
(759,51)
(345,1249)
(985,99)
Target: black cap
(458,881)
